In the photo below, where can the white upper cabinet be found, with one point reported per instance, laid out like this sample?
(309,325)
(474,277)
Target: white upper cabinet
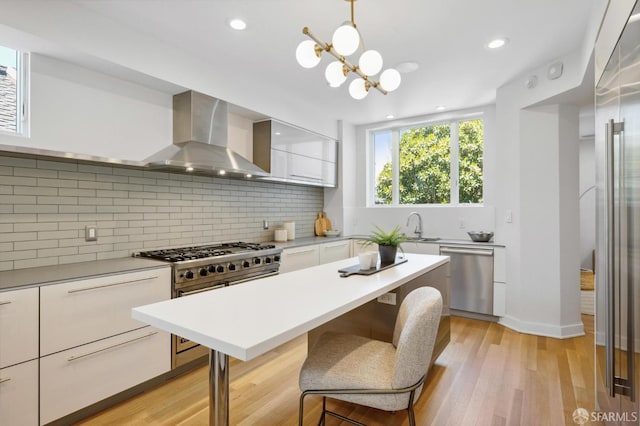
(291,154)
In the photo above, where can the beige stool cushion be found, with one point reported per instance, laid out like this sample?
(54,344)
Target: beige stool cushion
(344,361)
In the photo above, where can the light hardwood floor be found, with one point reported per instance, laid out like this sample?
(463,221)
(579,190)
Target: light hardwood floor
(487,375)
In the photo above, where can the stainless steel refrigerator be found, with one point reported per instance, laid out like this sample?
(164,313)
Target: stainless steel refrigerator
(617,331)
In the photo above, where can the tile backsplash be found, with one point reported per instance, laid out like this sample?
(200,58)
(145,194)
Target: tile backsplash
(45,206)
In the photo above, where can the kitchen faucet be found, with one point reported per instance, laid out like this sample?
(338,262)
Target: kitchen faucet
(418,230)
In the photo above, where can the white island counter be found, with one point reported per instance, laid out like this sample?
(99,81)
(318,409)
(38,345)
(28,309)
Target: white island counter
(249,319)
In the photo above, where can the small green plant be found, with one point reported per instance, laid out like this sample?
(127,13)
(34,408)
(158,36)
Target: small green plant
(382,238)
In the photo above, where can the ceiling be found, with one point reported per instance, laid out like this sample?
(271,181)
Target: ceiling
(445,37)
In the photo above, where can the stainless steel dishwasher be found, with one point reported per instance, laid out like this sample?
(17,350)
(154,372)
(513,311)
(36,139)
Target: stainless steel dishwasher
(471,278)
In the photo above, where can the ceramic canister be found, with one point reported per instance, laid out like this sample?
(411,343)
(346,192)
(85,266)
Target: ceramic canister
(280,235)
(290,226)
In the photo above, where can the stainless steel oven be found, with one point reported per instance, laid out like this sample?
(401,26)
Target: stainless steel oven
(211,267)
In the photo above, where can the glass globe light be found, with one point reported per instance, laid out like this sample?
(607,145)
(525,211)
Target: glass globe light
(334,74)
(345,40)
(357,89)
(306,54)
(390,79)
(370,62)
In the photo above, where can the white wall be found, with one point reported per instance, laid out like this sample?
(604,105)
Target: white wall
(538,181)
(587,202)
(73,28)
(77,110)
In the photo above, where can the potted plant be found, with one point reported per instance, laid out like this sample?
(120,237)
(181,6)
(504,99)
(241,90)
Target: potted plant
(388,243)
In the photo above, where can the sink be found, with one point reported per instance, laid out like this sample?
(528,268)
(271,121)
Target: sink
(424,239)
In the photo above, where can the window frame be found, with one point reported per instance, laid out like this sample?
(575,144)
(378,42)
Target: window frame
(454,147)
(23,87)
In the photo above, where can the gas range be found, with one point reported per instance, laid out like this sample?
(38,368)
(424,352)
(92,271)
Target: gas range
(223,262)
(197,269)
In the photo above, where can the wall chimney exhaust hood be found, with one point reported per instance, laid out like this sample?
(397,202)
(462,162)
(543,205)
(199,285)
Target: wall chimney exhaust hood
(200,140)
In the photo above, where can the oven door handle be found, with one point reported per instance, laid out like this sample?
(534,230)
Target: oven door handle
(200,290)
(270,274)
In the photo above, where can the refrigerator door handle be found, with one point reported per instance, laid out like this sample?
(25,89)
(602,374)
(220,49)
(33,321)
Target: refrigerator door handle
(615,231)
(610,256)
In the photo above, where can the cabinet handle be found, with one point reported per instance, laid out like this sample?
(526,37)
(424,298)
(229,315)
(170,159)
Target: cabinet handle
(78,290)
(6,379)
(300,251)
(340,244)
(5,302)
(306,177)
(73,358)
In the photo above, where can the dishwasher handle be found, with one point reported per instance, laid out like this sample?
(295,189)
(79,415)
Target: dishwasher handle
(473,251)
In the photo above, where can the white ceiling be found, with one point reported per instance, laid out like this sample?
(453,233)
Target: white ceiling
(445,37)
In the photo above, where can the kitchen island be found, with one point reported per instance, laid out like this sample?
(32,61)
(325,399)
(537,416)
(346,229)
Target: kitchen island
(245,321)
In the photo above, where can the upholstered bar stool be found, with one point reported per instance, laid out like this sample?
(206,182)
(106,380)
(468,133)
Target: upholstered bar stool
(387,376)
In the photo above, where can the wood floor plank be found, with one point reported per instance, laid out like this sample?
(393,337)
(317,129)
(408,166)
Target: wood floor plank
(487,375)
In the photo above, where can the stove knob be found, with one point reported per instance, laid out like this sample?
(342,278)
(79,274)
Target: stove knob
(256,260)
(219,269)
(188,275)
(202,272)
(212,268)
(246,264)
(231,267)
(276,258)
(267,260)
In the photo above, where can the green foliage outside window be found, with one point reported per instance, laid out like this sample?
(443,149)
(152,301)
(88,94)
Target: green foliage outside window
(425,166)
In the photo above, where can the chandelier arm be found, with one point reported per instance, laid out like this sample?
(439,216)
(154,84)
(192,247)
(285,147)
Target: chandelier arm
(353,68)
(353,21)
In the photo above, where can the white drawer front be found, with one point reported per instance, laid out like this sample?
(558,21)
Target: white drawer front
(499,265)
(330,252)
(79,312)
(18,326)
(299,258)
(79,377)
(19,394)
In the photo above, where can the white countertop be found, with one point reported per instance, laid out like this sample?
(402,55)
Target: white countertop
(249,319)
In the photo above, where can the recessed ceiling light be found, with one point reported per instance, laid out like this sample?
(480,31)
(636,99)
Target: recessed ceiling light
(389,116)
(441,108)
(237,24)
(222,172)
(497,43)
(277,133)
(406,67)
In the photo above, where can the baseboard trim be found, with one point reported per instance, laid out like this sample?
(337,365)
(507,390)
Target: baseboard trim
(541,329)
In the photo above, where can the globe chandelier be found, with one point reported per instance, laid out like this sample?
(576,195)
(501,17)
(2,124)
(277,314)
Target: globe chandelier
(345,42)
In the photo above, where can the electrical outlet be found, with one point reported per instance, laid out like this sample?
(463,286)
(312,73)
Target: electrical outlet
(265,224)
(509,216)
(388,298)
(90,233)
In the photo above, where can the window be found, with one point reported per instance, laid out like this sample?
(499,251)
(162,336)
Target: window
(14,67)
(428,164)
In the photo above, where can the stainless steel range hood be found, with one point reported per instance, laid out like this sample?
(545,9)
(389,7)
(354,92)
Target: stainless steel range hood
(200,140)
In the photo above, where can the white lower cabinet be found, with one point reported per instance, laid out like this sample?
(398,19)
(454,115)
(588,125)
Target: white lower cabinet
(299,258)
(83,311)
(78,377)
(499,282)
(19,394)
(499,299)
(338,250)
(18,326)
(421,248)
